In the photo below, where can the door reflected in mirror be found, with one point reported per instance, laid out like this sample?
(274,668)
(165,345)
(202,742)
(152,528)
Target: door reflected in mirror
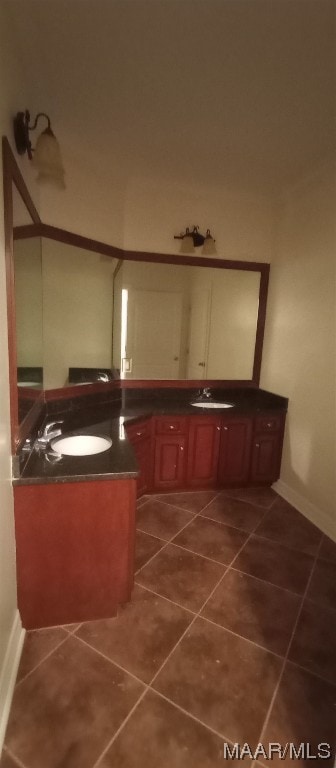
(102,318)
(181,322)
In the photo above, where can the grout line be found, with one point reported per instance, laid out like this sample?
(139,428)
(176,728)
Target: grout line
(166,542)
(268,714)
(281,543)
(322,606)
(197,615)
(169,504)
(153,535)
(253,503)
(13,756)
(264,581)
(311,672)
(160,668)
(168,599)
(193,717)
(198,554)
(111,661)
(215,623)
(241,637)
(208,504)
(227,525)
(74,629)
(248,538)
(150,559)
(121,726)
(43,660)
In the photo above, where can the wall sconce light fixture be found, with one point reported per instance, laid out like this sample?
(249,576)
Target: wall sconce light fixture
(47,155)
(191,239)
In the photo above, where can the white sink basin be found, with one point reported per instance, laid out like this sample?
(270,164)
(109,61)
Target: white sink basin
(28,384)
(80,445)
(206,404)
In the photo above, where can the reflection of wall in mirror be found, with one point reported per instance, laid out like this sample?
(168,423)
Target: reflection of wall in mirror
(205,317)
(77,310)
(28,302)
(230,303)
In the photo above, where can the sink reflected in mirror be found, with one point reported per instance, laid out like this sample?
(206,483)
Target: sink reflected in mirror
(81,445)
(211,405)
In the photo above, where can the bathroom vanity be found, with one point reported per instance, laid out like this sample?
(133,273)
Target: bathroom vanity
(171,324)
(75,515)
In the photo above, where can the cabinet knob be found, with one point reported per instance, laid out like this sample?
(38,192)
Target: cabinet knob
(171,426)
(181,448)
(202,365)
(226,429)
(269,424)
(219,428)
(139,434)
(257,445)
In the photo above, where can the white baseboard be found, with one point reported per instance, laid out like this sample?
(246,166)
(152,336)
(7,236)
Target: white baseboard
(314,514)
(9,672)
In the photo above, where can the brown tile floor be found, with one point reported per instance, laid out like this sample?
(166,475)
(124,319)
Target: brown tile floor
(229,637)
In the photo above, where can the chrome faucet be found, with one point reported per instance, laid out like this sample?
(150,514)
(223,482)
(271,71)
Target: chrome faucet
(206,392)
(102,376)
(49,432)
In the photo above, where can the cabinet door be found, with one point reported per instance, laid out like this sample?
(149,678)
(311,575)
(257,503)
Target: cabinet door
(203,451)
(235,451)
(139,435)
(169,461)
(142,450)
(265,458)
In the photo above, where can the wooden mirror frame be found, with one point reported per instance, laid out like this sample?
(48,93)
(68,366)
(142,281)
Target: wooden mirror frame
(11,175)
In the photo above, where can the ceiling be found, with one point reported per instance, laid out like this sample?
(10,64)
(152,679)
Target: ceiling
(237,92)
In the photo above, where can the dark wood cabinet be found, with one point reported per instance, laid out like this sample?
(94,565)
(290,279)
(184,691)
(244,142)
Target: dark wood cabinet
(181,452)
(203,451)
(143,452)
(169,462)
(267,448)
(74,550)
(140,436)
(170,452)
(235,451)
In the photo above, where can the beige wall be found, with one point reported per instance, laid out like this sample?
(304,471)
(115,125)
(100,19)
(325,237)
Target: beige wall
(77,310)
(299,350)
(143,212)
(28,301)
(233,316)
(157,208)
(13,97)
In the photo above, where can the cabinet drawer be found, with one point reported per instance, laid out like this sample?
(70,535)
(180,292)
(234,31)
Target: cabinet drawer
(138,431)
(268,423)
(168,425)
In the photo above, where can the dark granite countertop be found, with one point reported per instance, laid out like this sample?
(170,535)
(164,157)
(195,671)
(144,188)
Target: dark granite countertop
(119,462)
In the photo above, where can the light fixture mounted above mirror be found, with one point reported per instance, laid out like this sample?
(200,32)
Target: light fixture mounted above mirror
(191,239)
(47,155)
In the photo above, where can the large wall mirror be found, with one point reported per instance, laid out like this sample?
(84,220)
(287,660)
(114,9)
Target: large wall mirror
(81,311)
(24,300)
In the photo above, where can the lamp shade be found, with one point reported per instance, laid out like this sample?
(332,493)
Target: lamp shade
(48,161)
(187,244)
(209,247)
